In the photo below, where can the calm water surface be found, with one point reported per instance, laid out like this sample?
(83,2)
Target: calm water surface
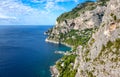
(24,53)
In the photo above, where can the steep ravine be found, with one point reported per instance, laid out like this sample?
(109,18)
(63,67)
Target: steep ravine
(95,39)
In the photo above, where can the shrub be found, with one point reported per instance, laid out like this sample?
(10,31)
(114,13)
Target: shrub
(67,70)
(81,37)
(74,13)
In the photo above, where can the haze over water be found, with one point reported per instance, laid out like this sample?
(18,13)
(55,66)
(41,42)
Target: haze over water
(24,52)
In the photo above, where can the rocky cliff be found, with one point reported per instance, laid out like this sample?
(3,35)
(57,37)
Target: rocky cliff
(85,15)
(95,37)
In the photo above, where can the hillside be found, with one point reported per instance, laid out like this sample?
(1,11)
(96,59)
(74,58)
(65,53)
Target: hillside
(92,29)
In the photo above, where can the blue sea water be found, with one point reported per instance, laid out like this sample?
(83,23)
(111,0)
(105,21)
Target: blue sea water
(24,52)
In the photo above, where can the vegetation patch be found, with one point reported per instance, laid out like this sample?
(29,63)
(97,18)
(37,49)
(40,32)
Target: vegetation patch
(65,66)
(88,5)
(90,74)
(76,37)
(113,16)
(111,47)
(102,2)
(92,41)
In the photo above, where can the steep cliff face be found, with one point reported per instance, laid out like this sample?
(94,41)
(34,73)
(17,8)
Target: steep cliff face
(101,57)
(109,29)
(96,37)
(89,15)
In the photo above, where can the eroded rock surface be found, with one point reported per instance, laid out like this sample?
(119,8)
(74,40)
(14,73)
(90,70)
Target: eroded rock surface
(100,57)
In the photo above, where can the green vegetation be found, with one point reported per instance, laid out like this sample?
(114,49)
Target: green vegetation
(115,59)
(111,47)
(109,44)
(65,66)
(76,37)
(102,62)
(81,37)
(113,16)
(90,74)
(103,25)
(103,2)
(86,53)
(81,8)
(92,41)
(68,15)
(87,59)
(49,31)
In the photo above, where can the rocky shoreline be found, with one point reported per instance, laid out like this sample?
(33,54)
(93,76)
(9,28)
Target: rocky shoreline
(55,42)
(51,41)
(54,71)
(67,45)
(98,55)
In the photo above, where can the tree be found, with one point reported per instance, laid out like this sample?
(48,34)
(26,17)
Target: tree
(102,0)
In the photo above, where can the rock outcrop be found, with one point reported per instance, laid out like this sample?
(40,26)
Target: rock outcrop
(104,52)
(100,55)
(87,19)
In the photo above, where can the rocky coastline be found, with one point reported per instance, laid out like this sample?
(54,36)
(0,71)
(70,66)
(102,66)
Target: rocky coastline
(54,71)
(51,41)
(97,50)
(56,42)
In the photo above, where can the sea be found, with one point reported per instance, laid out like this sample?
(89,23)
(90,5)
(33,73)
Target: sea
(24,52)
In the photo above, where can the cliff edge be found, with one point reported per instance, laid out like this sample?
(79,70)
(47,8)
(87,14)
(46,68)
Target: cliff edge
(94,34)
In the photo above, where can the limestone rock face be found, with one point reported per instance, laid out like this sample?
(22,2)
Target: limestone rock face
(101,58)
(110,27)
(88,19)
